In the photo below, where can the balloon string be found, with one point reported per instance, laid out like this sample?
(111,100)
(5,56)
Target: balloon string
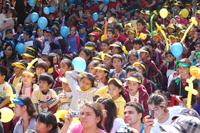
(164,35)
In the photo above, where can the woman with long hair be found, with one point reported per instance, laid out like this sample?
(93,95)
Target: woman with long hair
(90,120)
(110,121)
(25,110)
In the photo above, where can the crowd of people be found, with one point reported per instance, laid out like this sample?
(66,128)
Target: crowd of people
(133,80)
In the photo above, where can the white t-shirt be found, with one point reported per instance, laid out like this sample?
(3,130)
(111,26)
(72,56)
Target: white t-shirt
(173,111)
(118,122)
(135,98)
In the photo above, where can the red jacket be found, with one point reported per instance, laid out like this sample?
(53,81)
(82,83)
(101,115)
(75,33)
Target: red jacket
(143,97)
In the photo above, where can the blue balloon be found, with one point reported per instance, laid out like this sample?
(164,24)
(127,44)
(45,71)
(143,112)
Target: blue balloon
(52,9)
(95,16)
(46,10)
(32,2)
(64,31)
(106,1)
(42,23)
(20,48)
(34,17)
(79,64)
(176,49)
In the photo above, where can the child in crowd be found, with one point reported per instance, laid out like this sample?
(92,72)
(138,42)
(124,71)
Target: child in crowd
(118,72)
(44,98)
(115,90)
(27,86)
(65,97)
(83,87)
(19,67)
(5,89)
(136,91)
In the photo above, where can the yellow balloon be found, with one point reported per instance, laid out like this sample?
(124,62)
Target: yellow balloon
(163,13)
(6,114)
(143,36)
(60,114)
(184,13)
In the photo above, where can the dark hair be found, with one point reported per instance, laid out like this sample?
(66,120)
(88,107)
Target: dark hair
(138,76)
(50,58)
(3,70)
(68,62)
(97,110)
(119,27)
(138,107)
(111,111)
(46,77)
(142,21)
(138,41)
(115,83)
(50,120)
(29,104)
(131,69)
(157,100)
(86,51)
(107,42)
(42,65)
(132,52)
(90,77)
(118,56)
(7,44)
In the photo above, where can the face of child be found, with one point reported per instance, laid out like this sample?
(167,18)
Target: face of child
(115,50)
(27,79)
(39,71)
(136,46)
(100,75)
(39,32)
(107,60)
(73,31)
(18,71)
(92,38)
(143,56)
(140,27)
(2,78)
(117,63)
(133,87)
(85,84)
(110,35)
(114,91)
(44,86)
(91,69)
(83,55)
(88,117)
(132,59)
(66,87)
(104,47)
(63,68)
